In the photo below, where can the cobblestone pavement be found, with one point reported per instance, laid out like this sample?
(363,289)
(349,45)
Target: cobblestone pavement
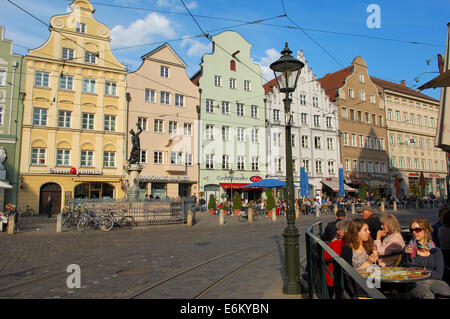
(125,263)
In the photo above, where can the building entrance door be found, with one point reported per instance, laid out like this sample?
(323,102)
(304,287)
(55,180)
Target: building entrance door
(54,190)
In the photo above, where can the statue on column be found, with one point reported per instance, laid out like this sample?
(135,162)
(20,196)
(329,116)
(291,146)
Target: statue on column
(136,150)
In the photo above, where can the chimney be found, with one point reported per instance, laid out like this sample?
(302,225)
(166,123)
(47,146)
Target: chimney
(403,83)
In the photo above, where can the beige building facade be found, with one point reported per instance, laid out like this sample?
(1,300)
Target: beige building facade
(411,121)
(74,114)
(164,101)
(362,126)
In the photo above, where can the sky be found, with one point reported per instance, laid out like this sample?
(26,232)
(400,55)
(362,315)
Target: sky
(331,33)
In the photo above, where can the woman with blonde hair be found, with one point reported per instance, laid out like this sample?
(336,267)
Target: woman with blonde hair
(389,242)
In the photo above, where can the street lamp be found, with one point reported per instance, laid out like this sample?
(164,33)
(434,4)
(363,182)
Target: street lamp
(287,70)
(231,172)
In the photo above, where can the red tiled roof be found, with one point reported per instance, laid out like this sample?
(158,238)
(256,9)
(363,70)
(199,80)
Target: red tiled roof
(268,87)
(331,82)
(400,88)
(196,77)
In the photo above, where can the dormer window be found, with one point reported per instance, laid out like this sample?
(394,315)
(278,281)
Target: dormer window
(80,27)
(233,65)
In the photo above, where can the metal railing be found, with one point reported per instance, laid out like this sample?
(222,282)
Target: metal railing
(150,212)
(342,271)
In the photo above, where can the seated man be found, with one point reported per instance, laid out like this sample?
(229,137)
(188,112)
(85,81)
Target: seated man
(331,230)
(372,220)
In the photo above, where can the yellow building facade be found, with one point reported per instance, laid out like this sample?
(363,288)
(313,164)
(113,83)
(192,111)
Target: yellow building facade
(74,126)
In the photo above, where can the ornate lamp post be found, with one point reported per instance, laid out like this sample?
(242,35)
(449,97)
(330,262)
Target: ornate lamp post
(231,172)
(287,70)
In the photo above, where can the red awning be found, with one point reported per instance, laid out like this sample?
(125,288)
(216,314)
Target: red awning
(235,185)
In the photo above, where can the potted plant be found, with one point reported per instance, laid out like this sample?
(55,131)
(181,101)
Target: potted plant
(237,204)
(212,204)
(270,203)
(225,209)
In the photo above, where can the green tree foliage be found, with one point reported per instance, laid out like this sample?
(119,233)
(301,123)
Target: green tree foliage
(363,192)
(237,202)
(270,200)
(212,202)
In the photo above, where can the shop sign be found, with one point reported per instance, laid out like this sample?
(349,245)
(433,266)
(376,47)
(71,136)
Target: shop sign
(74,171)
(353,175)
(255,178)
(433,175)
(235,178)
(154,178)
(414,174)
(374,175)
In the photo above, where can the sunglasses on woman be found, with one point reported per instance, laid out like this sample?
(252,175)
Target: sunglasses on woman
(415,230)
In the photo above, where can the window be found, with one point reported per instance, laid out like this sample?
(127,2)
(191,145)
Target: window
(317,142)
(38,156)
(393,163)
(187,129)
(425,120)
(110,88)
(369,167)
(302,99)
(329,122)
(405,117)
(255,163)
(352,115)
(240,109)
(87,158)
(411,118)
(421,143)
(353,139)
(430,166)
(143,156)
(360,116)
(165,97)
(188,159)
(316,120)
(377,167)
(304,119)
(254,135)
(360,141)
(397,116)
(374,119)
(109,159)
(355,165)
(315,101)
(67,54)
(64,119)
(39,116)
(209,132)
(2,77)
(225,107)
(362,166)
(149,95)
(305,142)
(345,138)
(254,111)
(408,163)
(381,144)
(372,98)
(240,134)
(80,27)
(367,117)
(232,83)
(225,161)
(89,85)
(331,169)
(233,65)
(436,165)
(164,71)
(278,165)
(110,123)
(389,114)
(432,122)
(375,142)
(62,157)
(276,115)
(143,123)
(362,95)
(173,127)
(419,120)
(351,93)
(66,82)
(176,158)
(226,133)
(217,80)
(179,100)
(423,163)
(157,157)
(158,126)
(368,142)
(240,162)
(89,57)
(209,161)
(400,162)
(246,85)
(361,77)
(87,122)
(380,120)
(319,167)
(276,139)
(41,79)
(210,106)
(306,165)
(344,113)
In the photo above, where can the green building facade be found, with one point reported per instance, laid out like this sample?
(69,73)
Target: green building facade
(11,113)
(232,118)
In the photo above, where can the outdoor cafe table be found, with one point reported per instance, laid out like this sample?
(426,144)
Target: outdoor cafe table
(399,275)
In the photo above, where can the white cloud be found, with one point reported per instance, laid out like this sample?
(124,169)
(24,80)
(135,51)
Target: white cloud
(141,31)
(196,48)
(271,56)
(175,4)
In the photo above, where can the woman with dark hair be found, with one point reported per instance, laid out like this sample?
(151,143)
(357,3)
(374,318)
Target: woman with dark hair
(422,252)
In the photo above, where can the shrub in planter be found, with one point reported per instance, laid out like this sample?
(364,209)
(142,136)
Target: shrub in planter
(270,202)
(212,205)
(237,203)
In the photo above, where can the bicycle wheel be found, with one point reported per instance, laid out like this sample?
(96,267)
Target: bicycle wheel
(82,224)
(106,223)
(127,222)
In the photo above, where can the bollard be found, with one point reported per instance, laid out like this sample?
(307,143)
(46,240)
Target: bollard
(297,212)
(11,225)
(353,209)
(317,211)
(250,215)
(221,217)
(189,218)
(395,205)
(59,223)
(274,214)
(335,208)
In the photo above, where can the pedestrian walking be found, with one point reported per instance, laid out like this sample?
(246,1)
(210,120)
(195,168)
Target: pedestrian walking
(49,206)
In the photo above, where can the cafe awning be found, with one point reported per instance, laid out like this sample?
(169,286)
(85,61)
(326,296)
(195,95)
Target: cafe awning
(235,185)
(334,185)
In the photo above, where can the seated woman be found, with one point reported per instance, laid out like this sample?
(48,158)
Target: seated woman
(358,252)
(389,243)
(421,252)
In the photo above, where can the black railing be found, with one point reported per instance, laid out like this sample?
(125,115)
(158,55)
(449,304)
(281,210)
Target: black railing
(343,273)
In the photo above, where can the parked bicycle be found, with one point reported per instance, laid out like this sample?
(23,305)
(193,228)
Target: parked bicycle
(70,218)
(120,220)
(93,221)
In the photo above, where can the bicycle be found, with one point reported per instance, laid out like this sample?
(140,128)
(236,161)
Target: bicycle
(105,223)
(72,217)
(120,220)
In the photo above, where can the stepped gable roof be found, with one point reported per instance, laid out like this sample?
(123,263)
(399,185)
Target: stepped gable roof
(331,82)
(401,88)
(268,87)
